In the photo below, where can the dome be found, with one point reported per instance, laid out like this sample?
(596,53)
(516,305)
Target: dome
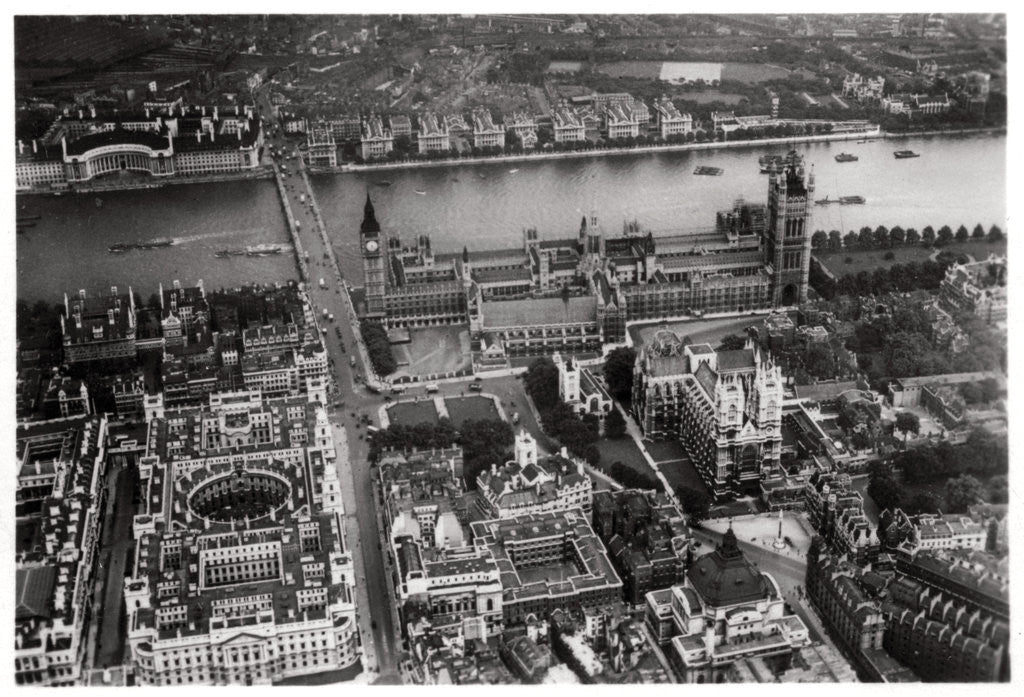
(725,577)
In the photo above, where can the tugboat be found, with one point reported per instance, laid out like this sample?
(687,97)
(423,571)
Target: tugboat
(157,243)
(262,250)
(708,171)
(420,193)
(119,248)
(903,154)
(846,157)
(825,201)
(851,199)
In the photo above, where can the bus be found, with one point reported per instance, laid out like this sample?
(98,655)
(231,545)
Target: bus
(395,389)
(431,387)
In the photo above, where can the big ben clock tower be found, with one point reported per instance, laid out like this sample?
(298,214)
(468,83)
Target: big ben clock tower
(374,274)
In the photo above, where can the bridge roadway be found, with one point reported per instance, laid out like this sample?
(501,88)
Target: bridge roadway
(376,609)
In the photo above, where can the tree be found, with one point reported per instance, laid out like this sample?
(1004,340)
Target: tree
(928,236)
(999,489)
(897,236)
(962,492)
(978,233)
(961,234)
(882,237)
(995,234)
(732,342)
(907,422)
(884,490)
(944,237)
(819,361)
(835,240)
(542,383)
(913,236)
(618,372)
(614,425)
(922,503)
(378,348)
(866,238)
(695,503)
(819,240)
(850,240)
(972,394)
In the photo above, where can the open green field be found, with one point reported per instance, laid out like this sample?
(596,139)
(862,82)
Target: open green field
(623,450)
(869,260)
(411,413)
(709,96)
(752,72)
(462,409)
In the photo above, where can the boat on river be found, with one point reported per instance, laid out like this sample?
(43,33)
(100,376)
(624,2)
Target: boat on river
(155,243)
(846,157)
(904,154)
(825,201)
(262,250)
(846,200)
(709,171)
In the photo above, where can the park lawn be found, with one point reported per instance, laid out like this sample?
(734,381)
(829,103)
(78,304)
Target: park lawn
(410,413)
(462,409)
(643,69)
(662,451)
(626,451)
(871,259)
(682,473)
(752,72)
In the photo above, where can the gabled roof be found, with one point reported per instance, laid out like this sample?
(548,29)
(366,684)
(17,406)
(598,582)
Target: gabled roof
(34,591)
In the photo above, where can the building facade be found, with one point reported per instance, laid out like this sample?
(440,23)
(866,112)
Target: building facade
(724,406)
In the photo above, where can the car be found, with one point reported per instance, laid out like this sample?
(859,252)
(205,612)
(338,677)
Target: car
(373,624)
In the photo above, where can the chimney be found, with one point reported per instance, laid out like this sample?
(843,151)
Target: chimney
(215,116)
(35,146)
(239,132)
(147,112)
(80,114)
(113,290)
(199,136)
(21,147)
(110,316)
(81,293)
(92,111)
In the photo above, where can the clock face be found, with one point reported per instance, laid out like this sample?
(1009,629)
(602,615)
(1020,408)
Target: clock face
(371,246)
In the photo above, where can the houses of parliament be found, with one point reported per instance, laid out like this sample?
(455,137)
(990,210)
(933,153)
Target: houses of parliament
(755,257)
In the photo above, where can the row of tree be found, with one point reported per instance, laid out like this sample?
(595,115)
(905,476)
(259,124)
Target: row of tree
(924,275)
(884,238)
(378,348)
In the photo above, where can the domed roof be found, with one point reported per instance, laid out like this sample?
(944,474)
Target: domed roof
(725,577)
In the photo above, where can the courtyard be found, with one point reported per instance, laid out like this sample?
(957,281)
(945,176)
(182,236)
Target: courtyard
(433,351)
(412,412)
(462,409)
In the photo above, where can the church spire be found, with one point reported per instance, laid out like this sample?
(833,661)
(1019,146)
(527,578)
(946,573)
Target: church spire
(370,223)
(465,255)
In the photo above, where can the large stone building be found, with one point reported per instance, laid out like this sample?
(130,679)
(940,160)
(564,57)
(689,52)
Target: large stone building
(176,142)
(104,328)
(59,500)
(530,484)
(978,288)
(755,257)
(724,406)
(242,574)
(547,561)
(725,611)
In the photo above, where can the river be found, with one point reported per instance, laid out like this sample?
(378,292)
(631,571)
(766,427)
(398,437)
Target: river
(956,180)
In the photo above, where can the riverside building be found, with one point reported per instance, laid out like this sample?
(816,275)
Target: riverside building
(755,257)
(177,142)
(485,133)
(376,141)
(433,134)
(242,573)
(670,121)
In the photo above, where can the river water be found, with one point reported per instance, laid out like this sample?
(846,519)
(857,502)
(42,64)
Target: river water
(956,180)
